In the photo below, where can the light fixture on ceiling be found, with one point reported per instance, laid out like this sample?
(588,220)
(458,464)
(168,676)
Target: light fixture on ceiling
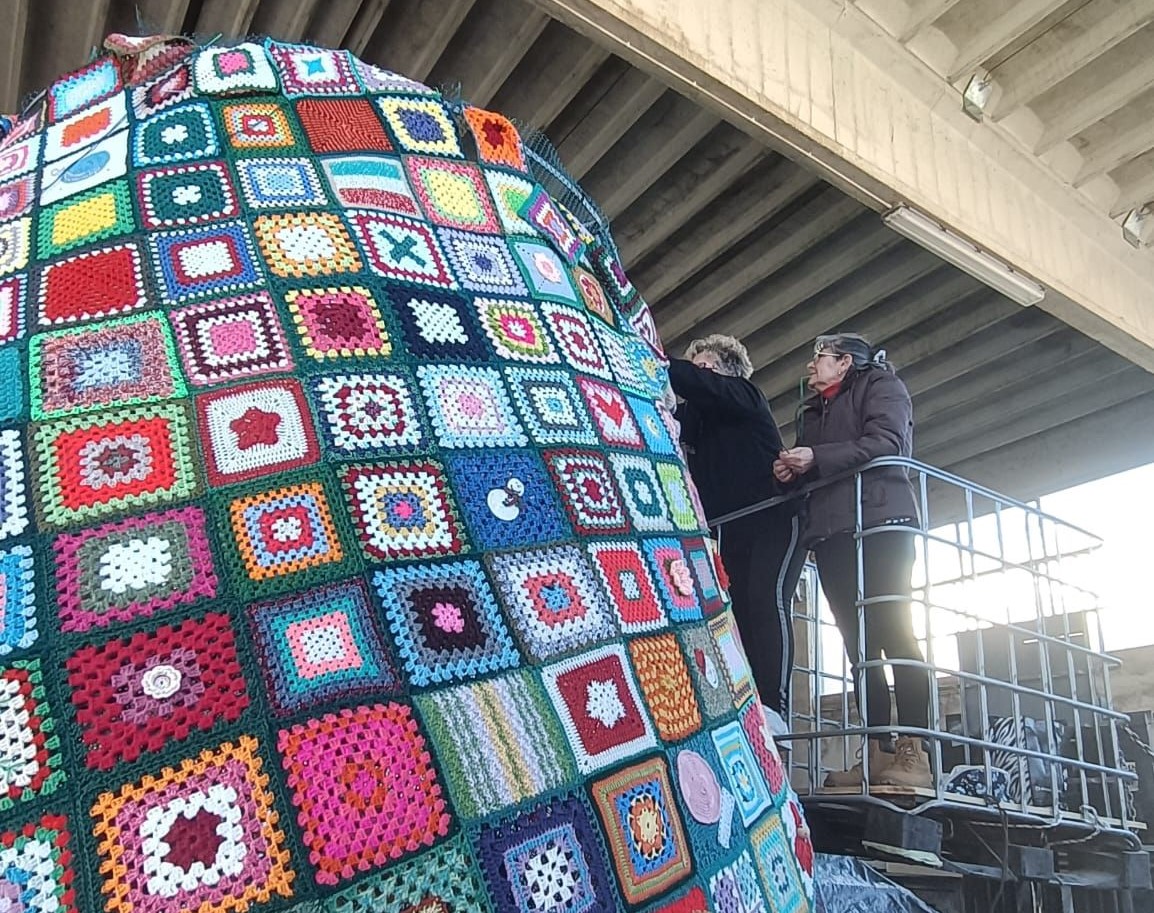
(977,95)
(965,256)
(1134,226)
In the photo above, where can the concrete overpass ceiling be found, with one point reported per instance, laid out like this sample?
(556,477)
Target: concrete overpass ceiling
(722,234)
(1071,81)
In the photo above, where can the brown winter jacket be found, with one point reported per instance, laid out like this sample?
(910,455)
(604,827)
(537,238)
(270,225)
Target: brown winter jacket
(870,416)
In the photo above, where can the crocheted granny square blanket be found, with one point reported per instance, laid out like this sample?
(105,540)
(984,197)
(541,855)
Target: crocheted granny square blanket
(347,556)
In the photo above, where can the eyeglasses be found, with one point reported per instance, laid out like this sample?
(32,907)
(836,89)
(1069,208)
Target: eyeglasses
(817,355)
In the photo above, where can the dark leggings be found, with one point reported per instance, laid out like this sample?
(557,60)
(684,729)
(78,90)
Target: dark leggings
(888,562)
(764,561)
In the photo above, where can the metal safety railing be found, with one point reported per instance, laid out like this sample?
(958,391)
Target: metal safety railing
(1021,721)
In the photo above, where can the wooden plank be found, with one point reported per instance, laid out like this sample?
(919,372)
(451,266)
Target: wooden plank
(14,25)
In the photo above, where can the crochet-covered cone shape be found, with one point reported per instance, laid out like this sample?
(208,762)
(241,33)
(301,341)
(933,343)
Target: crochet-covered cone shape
(347,556)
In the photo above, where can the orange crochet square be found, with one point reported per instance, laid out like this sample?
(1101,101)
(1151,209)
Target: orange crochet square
(498,142)
(664,679)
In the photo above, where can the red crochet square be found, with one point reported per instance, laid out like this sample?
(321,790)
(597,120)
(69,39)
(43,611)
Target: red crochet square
(94,284)
(137,694)
(342,125)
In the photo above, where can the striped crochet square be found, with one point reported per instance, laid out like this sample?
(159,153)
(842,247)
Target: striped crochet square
(403,510)
(734,665)
(364,787)
(469,407)
(132,568)
(370,182)
(138,694)
(498,743)
(507,499)
(230,339)
(595,695)
(665,682)
(445,622)
(199,834)
(38,873)
(548,857)
(122,362)
(646,838)
(629,582)
(91,466)
(319,646)
(250,431)
(19,626)
(674,579)
(33,764)
(551,408)
(368,414)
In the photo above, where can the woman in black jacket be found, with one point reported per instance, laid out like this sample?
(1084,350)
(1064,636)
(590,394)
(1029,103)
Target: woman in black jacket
(859,411)
(731,441)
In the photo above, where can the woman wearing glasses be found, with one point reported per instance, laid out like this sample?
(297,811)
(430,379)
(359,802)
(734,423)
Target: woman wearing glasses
(859,411)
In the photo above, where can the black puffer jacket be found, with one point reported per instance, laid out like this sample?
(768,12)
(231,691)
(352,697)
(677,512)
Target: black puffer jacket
(870,416)
(730,436)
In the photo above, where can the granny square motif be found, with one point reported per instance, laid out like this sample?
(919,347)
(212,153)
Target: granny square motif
(482,262)
(421,125)
(438,326)
(39,864)
(280,183)
(577,339)
(231,339)
(94,215)
(186,195)
(401,249)
(179,135)
(368,413)
(340,322)
(240,69)
(313,71)
(257,126)
(515,331)
(452,193)
(587,491)
(33,763)
(630,586)
(18,603)
(468,407)
(209,260)
(550,406)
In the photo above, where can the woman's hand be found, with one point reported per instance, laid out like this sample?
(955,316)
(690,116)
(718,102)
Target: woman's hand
(799,460)
(783,473)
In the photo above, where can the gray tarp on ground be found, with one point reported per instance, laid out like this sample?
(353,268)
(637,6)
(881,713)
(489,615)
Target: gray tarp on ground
(847,885)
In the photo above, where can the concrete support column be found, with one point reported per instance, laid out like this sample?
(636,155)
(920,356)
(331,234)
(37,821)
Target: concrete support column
(823,83)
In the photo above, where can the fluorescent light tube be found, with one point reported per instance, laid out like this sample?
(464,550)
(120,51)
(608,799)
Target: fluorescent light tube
(954,249)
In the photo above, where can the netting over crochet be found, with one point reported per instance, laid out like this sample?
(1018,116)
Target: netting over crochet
(347,556)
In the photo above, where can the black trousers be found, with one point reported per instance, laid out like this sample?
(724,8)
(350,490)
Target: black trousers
(888,562)
(763,558)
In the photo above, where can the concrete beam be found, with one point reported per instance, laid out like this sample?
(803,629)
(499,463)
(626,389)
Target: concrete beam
(552,71)
(231,18)
(1118,151)
(487,46)
(65,36)
(1134,192)
(774,249)
(843,255)
(838,305)
(719,161)
(740,211)
(161,17)
(1017,19)
(1043,373)
(1123,77)
(1105,393)
(1070,45)
(822,81)
(417,34)
(284,20)
(661,136)
(918,302)
(13,38)
(1120,438)
(348,23)
(612,112)
(925,342)
(922,14)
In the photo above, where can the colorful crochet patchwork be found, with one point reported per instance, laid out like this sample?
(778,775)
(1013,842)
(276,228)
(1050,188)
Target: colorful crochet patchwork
(348,560)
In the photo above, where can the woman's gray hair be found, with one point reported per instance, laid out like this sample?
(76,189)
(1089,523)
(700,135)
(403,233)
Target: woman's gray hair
(854,345)
(732,357)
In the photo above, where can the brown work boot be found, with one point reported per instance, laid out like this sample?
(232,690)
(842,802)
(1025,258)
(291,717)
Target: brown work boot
(910,765)
(880,760)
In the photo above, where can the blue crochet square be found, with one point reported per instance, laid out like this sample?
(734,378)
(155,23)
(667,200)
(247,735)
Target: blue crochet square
(711,818)
(507,498)
(83,88)
(652,427)
(551,407)
(196,262)
(437,326)
(445,622)
(18,609)
(12,396)
(271,183)
(545,272)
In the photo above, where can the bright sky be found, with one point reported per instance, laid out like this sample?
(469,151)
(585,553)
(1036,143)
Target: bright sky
(1120,509)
